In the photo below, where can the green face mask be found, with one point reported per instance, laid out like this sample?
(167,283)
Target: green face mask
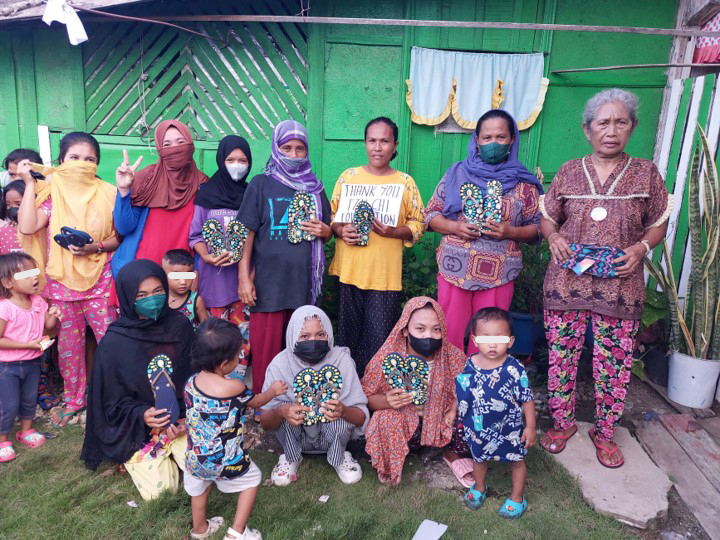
(493,152)
(150,306)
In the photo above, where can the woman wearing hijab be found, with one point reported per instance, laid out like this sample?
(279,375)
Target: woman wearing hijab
(397,424)
(219,199)
(123,425)
(76,280)
(310,345)
(478,264)
(285,275)
(154,207)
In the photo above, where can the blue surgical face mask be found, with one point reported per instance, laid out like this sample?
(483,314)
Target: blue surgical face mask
(150,306)
(493,152)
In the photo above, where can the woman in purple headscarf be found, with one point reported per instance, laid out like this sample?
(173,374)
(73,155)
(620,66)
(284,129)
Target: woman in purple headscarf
(287,213)
(484,207)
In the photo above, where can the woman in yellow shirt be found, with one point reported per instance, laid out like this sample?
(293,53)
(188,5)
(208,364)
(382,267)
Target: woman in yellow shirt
(370,275)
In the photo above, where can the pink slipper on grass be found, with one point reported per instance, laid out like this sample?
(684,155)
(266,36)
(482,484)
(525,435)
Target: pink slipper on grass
(30,438)
(7,452)
(463,470)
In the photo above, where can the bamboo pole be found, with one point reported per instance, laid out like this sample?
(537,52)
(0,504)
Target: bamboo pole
(631,66)
(433,23)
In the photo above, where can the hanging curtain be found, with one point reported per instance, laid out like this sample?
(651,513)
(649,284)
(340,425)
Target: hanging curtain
(467,85)
(707,49)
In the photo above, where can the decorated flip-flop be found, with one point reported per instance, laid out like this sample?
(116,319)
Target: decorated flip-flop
(492,202)
(236,235)
(159,370)
(331,381)
(302,209)
(393,367)
(213,236)
(305,386)
(472,202)
(363,218)
(417,370)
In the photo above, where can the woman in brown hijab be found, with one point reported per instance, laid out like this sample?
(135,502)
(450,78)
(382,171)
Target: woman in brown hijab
(154,207)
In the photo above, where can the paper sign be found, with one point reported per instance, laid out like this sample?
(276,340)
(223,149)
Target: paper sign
(385,200)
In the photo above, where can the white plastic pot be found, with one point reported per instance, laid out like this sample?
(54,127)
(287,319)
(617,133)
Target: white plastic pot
(692,381)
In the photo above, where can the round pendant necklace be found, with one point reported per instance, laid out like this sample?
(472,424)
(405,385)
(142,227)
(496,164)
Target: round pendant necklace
(598,213)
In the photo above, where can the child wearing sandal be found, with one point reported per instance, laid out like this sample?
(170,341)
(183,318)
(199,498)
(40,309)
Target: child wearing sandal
(493,393)
(24,318)
(215,408)
(178,265)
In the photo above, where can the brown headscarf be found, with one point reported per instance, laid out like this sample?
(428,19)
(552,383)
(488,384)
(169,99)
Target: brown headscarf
(447,363)
(172,182)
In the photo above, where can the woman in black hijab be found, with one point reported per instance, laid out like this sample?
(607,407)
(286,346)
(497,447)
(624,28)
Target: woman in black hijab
(123,424)
(214,228)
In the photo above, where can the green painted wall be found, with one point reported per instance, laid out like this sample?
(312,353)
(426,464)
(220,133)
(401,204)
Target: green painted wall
(365,70)
(358,72)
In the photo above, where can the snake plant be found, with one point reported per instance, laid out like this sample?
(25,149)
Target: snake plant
(695,323)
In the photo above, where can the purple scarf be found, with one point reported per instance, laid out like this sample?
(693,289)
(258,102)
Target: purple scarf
(299,177)
(475,170)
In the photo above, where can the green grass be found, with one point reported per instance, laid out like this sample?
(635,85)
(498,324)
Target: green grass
(47,493)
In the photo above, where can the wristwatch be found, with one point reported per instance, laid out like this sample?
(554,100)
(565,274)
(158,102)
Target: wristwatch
(645,243)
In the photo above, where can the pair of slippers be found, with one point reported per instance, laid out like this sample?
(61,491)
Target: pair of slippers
(478,207)
(314,389)
(159,371)
(409,373)
(363,219)
(302,209)
(232,240)
(72,237)
(596,261)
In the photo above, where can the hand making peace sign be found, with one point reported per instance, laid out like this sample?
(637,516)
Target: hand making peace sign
(125,173)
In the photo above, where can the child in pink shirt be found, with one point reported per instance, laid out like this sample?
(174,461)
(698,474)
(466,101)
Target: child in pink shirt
(24,318)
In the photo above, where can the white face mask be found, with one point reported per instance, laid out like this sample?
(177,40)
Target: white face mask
(236,170)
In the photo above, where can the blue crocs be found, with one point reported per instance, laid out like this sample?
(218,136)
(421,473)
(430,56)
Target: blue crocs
(474,499)
(511,509)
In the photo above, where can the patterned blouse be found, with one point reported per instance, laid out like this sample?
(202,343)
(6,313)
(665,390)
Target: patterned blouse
(485,263)
(635,198)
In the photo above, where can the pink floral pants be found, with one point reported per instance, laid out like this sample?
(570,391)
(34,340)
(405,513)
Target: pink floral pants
(71,343)
(612,359)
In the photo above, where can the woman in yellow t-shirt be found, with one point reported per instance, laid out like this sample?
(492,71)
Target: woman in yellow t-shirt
(370,290)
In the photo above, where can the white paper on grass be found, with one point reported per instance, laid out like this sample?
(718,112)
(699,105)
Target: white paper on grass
(385,200)
(430,530)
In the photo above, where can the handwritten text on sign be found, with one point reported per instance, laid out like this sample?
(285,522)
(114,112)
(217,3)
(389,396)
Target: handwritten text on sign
(385,200)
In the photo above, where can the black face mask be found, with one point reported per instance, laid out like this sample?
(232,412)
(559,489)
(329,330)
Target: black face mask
(312,351)
(12,214)
(425,346)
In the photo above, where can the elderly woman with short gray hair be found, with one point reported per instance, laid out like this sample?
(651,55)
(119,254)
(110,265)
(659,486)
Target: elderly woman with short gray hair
(602,215)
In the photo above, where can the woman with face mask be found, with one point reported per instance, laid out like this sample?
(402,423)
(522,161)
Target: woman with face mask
(398,425)
(310,344)
(11,199)
(219,199)
(479,263)
(123,425)
(284,275)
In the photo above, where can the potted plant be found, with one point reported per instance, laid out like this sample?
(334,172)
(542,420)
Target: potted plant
(695,323)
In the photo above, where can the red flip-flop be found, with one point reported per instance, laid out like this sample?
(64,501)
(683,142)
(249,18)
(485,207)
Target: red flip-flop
(559,439)
(599,447)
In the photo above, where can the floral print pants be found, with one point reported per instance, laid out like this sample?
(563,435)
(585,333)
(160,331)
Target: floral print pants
(612,359)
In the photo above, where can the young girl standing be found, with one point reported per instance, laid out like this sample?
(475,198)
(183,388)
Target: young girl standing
(493,393)
(77,279)
(24,317)
(215,409)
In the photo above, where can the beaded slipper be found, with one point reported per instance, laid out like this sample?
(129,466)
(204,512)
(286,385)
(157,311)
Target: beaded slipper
(159,370)
(363,218)
(235,241)
(306,385)
(213,236)
(302,209)
(472,201)
(492,202)
(330,386)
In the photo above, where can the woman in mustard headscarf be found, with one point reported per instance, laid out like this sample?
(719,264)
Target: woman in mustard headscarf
(76,279)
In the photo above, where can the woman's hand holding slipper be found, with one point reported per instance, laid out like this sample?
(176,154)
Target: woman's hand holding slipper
(156,418)
(397,398)
(294,414)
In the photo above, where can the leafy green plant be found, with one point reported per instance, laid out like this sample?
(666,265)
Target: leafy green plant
(420,269)
(528,295)
(695,323)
